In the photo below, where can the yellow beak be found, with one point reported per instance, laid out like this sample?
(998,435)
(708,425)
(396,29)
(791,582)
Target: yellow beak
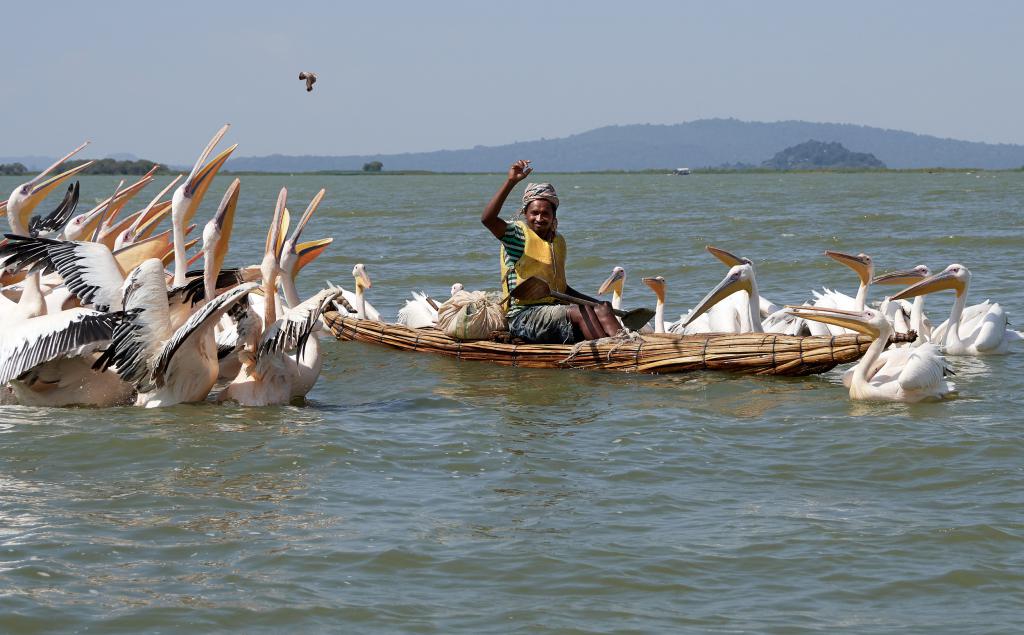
(939,282)
(40,186)
(852,320)
(656,284)
(910,276)
(860,264)
(225,218)
(728,259)
(613,282)
(310,251)
(363,278)
(728,286)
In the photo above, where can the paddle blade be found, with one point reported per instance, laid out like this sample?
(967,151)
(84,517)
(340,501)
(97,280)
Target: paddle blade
(533,288)
(635,319)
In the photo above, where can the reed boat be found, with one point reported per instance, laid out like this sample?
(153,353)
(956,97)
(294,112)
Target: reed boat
(749,353)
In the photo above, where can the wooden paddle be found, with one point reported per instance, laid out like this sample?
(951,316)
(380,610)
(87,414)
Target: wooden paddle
(534,288)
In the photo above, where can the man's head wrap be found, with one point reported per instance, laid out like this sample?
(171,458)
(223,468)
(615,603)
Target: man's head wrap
(536,191)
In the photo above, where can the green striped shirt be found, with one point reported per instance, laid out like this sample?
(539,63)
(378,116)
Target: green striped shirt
(514,242)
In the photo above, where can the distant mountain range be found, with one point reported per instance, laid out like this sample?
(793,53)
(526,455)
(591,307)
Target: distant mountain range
(702,143)
(696,144)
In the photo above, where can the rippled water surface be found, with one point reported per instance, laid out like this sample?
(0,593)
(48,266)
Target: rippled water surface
(422,495)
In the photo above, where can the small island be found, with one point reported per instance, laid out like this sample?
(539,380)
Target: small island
(819,155)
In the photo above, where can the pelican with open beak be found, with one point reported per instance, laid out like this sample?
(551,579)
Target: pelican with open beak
(981,329)
(186,199)
(26,196)
(905,375)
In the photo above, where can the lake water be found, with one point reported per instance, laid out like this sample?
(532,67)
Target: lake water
(416,494)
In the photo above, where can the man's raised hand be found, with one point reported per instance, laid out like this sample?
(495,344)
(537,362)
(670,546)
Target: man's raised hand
(519,170)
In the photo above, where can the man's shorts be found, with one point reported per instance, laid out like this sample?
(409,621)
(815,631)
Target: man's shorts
(543,324)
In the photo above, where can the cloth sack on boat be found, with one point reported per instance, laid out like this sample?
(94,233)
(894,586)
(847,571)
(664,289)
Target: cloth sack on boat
(471,315)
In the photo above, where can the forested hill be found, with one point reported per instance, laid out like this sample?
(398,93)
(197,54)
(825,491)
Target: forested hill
(702,143)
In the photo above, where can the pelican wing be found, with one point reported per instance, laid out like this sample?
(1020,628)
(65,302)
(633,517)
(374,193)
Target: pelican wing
(924,368)
(58,218)
(208,315)
(89,269)
(49,337)
(418,312)
(292,330)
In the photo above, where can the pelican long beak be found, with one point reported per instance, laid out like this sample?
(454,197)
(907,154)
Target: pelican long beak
(131,256)
(657,285)
(728,259)
(309,251)
(853,320)
(362,278)
(909,276)
(861,263)
(122,198)
(728,286)
(614,281)
(39,187)
(224,220)
(201,177)
(939,282)
(270,247)
(152,220)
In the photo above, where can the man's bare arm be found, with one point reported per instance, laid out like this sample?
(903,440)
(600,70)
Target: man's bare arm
(519,171)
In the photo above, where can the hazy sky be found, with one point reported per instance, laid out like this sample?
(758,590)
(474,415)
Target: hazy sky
(158,78)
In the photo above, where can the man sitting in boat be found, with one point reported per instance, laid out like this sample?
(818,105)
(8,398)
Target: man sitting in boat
(532,247)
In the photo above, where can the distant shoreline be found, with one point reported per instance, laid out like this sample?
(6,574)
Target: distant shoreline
(666,172)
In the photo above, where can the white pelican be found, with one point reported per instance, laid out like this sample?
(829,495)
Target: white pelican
(981,329)
(363,310)
(772,317)
(862,265)
(746,317)
(189,194)
(270,370)
(166,366)
(20,204)
(657,284)
(907,374)
(48,360)
(894,309)
(295,255)
(418,313)
(614,283)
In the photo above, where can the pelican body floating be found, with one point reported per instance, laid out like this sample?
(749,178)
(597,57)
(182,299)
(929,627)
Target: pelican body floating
(748,353)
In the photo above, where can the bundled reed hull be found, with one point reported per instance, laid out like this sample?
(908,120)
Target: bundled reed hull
(749,353)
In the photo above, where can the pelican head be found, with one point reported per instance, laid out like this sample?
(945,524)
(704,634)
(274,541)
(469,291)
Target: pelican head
(739,278)
(296,255)
(362,279)
(728,259)
(456,288)
(867,322)
(26,196)
(189,194)
(657,285)
(909,276)
(955,277)
(861,263)
(614,282)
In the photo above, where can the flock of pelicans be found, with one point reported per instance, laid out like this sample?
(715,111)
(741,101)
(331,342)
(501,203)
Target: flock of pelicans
(906,372)
(91,317)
